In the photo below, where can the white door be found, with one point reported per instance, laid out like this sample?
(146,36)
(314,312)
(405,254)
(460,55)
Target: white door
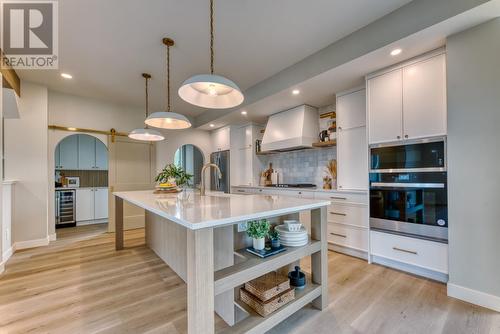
(131,167)
(68,152)
(424,98)
(351,110)
(101,203)
(352,159)
(385,107)
(101,155)
(86,152)
(84,204)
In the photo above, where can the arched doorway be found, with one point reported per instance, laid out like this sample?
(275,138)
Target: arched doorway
(81,181)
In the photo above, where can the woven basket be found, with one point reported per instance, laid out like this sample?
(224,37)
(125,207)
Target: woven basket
(267,307)
(267,286)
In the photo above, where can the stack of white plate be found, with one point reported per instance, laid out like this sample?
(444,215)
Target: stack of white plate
(293,239)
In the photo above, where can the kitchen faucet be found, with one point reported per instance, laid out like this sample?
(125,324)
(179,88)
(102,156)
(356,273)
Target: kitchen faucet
(207,166)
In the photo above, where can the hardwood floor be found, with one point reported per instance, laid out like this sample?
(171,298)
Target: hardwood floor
(80,284)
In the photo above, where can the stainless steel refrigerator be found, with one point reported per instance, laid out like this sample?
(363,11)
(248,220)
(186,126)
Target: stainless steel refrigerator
(221,159)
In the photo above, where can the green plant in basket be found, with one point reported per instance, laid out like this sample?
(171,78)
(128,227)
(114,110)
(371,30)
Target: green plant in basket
(171,171)
(258,229)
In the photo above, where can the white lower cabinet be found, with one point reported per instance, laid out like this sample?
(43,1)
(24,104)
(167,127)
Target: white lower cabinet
(91,204)
(84,204)
(422,257)
(348,236)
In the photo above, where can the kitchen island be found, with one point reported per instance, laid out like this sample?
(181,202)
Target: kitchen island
(197,236)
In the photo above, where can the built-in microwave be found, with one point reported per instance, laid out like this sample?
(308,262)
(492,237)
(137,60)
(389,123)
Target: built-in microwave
(424,155)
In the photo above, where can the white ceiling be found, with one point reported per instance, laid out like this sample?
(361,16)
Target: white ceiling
(106,45)
(320,90)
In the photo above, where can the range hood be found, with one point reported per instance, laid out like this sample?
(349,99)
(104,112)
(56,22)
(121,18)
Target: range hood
(293,129)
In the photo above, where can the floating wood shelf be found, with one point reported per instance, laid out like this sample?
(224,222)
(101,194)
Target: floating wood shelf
(329,143)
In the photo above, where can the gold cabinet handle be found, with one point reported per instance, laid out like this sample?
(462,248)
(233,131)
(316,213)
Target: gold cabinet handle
(338,235)
(404,250)
(338,213)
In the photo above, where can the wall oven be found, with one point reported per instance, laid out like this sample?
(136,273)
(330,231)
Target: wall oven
(409,191)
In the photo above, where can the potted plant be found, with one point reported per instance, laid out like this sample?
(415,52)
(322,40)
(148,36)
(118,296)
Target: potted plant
(275,238)
(177,174)
(258,231)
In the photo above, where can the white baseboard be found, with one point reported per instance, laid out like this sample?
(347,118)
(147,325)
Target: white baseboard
(349,251)
(53,237)
(2,267)
(92,222)
(474,297)
(32,243)
(7,254)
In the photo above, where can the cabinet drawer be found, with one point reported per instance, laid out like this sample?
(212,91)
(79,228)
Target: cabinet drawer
(422,253)
(348,214)
(343,197)
(348,236)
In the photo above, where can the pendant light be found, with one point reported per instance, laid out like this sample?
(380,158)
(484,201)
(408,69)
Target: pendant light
(168,119)
(146,134)
(211,90)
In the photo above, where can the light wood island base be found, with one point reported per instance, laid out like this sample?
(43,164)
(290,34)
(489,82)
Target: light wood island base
(214,263)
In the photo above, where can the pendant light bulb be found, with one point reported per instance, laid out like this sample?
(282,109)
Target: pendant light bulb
(211,90)
(146,134)
(168,119)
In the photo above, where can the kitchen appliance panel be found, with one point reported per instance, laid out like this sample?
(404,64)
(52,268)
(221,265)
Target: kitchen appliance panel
(422,155)
(221,159)
(65,208)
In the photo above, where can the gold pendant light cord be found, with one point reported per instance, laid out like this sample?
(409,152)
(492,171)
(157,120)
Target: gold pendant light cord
(211,36)
(168,78)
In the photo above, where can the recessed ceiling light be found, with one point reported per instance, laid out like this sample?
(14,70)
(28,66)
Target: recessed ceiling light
(243,112)
(395,52)
(66,76)
(295,92)
(212,125)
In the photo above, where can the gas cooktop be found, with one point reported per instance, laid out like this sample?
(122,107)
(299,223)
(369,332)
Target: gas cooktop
(293,185)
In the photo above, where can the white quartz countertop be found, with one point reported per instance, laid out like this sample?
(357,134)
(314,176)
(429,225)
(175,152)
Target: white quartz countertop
(304,189)
(193,211)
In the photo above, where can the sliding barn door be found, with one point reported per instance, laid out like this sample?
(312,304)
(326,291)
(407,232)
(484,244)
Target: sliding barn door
(131,167)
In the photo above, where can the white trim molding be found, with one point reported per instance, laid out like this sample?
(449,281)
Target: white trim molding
(475,297)
(31,243)
(53,237)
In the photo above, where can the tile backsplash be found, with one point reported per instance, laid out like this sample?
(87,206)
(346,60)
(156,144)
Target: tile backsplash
(305,166)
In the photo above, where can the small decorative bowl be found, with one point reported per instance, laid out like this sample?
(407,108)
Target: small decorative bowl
(293,225)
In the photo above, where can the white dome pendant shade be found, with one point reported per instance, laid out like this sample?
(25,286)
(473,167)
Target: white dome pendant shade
(168,119)
(146,134)
(211,90)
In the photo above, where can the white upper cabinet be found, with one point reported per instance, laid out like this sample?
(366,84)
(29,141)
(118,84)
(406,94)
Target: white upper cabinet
(220,139)
(86,152)
(408,102)
(424,98)
(352,146)
(101,155)
(352,108)
(385,117)
(68,153)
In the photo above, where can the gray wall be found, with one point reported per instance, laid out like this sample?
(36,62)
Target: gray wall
(474,157)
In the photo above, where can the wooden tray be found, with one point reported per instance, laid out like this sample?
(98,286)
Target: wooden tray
(267,286)
(267,307)
(167,191)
